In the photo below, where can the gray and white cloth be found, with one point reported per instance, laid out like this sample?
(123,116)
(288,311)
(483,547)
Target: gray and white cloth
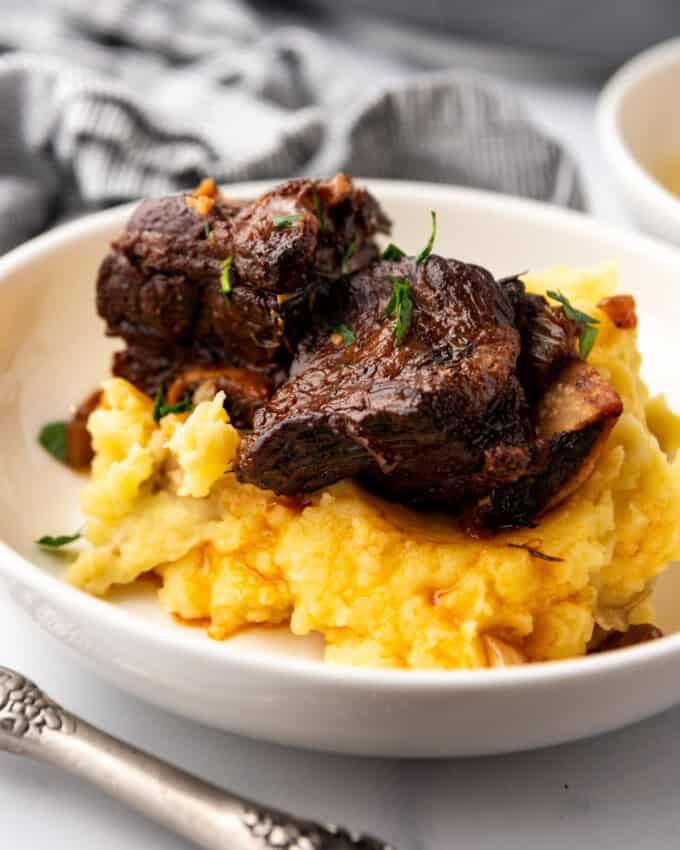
(107,100)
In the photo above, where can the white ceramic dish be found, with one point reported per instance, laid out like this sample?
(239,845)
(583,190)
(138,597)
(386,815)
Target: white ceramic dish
(639,127)
(268,684)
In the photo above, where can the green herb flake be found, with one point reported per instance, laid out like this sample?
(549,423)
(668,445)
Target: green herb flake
(52,438)
(400,306)
(286,220)
(588,335)
(393,252)
(318,209)
(347,256)
(427,250)
(346,333)
(225,277)
(587,340)
(50,542)
(161,409)
(206,229)
(571,312)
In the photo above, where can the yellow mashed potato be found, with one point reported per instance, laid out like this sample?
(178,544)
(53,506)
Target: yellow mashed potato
(384,585)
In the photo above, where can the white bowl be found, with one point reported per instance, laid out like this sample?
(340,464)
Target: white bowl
(638,123)
(269,684)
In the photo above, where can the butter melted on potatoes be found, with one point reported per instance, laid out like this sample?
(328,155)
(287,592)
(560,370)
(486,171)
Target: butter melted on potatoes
(386,586)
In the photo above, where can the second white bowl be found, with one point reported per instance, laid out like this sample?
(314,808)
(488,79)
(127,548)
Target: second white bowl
(638,123)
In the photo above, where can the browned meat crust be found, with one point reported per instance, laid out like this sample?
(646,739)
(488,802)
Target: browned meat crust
(573,420)
(548,337)
(484,403)
(431,422)
(604,641)
(159,288)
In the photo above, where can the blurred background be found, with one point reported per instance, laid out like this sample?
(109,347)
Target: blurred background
(586,36)
(102,101)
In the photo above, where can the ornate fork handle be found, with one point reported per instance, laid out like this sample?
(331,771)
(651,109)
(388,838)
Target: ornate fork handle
(32,724)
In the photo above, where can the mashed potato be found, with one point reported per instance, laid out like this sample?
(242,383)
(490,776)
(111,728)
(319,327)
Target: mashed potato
(384,585)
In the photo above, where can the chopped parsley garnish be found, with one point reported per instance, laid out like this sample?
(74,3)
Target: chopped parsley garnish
(400,306)
(586,340)
(50,542)
(225,277)
(161,409)
(206,229)
(427,250)
(535,553)
(286,220)
(318,209)
(347,256)
(571,312)
(393,252)
(338,328)
(52,438)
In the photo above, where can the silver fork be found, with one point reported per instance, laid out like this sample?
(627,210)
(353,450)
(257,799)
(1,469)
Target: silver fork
(32,724)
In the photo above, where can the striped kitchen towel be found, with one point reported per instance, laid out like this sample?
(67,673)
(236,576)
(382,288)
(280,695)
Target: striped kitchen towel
(114,99)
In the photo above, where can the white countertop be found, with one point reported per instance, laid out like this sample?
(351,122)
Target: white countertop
(619,790)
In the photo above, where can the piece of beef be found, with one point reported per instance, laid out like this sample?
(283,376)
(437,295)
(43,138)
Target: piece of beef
(548,337)
(573,419)
(150,368)
(154,308)
(169,235)
(189,371)
(159,288)
(456,415)
(433,422)
(329,232)
(173,315)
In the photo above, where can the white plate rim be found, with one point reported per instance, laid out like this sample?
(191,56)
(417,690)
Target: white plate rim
(609,105)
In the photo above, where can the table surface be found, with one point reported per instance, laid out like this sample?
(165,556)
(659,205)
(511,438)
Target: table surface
(618,790)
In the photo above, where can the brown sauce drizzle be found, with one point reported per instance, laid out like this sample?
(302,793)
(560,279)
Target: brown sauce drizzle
(245,390)
(604,641)
(79,451)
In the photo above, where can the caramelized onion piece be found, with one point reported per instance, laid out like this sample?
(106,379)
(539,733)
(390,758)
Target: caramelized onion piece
(79,451)
(500,653)
(641,633)
(202,199)
(245,390)
(621,310)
